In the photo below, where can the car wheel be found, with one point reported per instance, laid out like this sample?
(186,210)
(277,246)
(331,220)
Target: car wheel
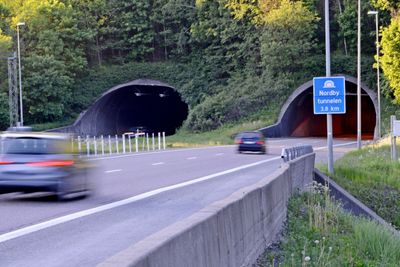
(62,191)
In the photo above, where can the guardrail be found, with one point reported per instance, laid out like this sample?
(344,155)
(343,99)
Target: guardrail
(295,152)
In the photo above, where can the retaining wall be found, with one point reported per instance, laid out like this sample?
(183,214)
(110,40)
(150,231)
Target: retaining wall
(231,232)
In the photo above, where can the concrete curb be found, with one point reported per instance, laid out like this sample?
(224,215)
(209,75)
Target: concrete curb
(350,203)
(231,232)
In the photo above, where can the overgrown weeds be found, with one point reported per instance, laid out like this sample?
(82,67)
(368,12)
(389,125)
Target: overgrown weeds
(320,233)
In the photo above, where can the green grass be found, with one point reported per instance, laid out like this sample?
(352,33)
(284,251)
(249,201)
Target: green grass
(51,125)
(372,177)
(221,136)
(319,233)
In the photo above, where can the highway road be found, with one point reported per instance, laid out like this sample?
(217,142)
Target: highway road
(135,196)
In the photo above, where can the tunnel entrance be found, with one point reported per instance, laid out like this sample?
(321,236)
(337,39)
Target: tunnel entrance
(297,117)
(146,104)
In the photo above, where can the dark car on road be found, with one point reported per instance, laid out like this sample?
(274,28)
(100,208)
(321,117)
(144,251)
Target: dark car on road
(41,162)
(251,142)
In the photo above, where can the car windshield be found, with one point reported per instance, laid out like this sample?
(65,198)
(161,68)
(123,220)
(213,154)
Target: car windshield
(33,146)
(251,135)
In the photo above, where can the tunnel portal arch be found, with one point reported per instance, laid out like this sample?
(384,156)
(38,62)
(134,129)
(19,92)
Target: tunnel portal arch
(140,103)
(297,118)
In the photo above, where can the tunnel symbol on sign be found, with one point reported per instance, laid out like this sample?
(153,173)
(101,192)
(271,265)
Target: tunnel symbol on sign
(329,84)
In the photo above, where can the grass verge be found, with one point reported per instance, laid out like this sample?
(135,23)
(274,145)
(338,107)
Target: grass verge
(320,233)
(221,136)
(371,176)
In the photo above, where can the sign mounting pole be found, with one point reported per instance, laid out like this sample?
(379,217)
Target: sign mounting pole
(328,74)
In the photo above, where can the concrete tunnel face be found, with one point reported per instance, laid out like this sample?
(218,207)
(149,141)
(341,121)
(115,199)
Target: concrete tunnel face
(150,104)
(299,119)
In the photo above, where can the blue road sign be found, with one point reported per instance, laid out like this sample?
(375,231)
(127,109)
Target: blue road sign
(329,95)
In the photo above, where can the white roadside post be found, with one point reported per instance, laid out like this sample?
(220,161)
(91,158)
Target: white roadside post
(102,145)
(87,145)
(159,141)
(152,137)
(123,144)
(116,144)
(163,134)
(79,144)
(147,142)
(136,143)
(130,143)
(109,145)
(143,142)
(95,145)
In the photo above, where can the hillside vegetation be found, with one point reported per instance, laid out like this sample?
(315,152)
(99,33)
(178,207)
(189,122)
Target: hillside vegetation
(230,60)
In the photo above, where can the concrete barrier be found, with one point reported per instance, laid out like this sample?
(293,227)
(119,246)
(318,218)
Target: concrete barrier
(231,232)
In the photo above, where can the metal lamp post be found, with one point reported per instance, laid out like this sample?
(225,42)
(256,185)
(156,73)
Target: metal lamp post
(373,12)
(19,73)
(359,75)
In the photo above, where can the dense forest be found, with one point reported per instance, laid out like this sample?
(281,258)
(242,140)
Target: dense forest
(229,59)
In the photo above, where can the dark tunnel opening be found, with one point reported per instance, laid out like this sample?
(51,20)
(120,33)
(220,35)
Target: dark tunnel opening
(299,119)
(149,104)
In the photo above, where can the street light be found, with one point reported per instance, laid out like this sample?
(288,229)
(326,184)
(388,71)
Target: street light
(19,73)
(373,12)
(359,137)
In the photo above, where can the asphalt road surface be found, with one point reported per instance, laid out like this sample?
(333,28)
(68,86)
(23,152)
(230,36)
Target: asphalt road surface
(135,196)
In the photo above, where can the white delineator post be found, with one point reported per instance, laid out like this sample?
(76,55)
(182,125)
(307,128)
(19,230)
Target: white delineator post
(95,145)
(159,141)
(79,144)
(109,145)
(152,137)
(123,144)
(147,142)
(87,145)
(116,144)
(136,143)
(102,145)
(163,134)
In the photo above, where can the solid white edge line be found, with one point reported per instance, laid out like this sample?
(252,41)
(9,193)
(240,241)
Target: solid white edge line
(53,222)
(158,163)
(338,145)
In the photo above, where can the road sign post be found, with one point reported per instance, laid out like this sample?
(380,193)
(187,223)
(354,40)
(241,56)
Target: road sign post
(329,98)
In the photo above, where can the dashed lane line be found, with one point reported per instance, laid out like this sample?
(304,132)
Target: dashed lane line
(111,171)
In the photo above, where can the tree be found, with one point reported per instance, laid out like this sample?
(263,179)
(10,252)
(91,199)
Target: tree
(52,46)
(172,20)
(288,38)
(129,32)
(390,59)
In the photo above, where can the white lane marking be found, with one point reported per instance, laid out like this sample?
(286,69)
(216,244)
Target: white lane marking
(219,154)
(111,171)
(40,226)
(158,152)
(190,158)
(158,163)
(338,145)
